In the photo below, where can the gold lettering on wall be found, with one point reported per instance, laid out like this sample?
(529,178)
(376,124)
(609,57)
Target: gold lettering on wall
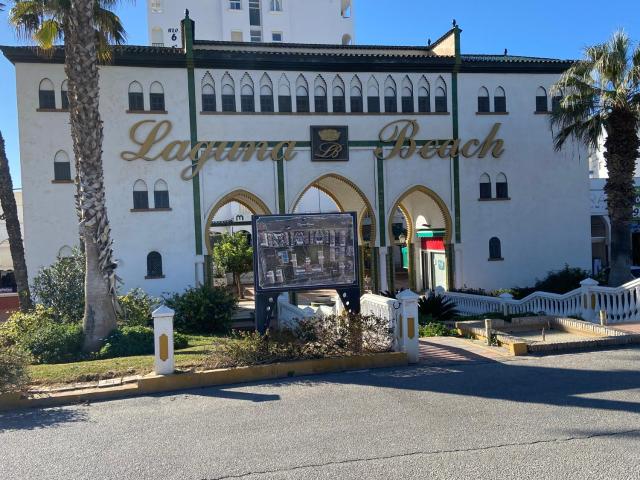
(398,138)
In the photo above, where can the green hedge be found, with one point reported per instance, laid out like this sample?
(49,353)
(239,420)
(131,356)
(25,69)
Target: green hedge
(45,339)
(134,341)
(202,310)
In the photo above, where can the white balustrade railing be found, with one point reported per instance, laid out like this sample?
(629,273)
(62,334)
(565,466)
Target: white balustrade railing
(619,304)
(289,315)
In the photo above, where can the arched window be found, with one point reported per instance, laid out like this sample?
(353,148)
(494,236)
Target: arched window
(208,94)
(157,39)
(140,196)
(346,9)
(485,186)
(266,94)
(61,167)
(156,97)
(284,94)
(542,101)
(424,96)
(495,249)
(556,100)
(441,95)
(161,195)
(136,97)
(154,265)
(357,105)
(339,102)
(346,39)
(483,100)
(247,95)
(64,95)
(373,96)
(228,94)
(302,94)
(407,96)
(65,252)
(276,5)
(500,101)
(47,95)
(390,96)
(320,95)
(502,187)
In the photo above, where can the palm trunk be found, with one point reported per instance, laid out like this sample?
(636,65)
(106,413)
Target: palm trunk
(10,212)
(239,286)
(81,66)
(621,151)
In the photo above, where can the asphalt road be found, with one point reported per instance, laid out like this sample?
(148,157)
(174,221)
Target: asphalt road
(568,416)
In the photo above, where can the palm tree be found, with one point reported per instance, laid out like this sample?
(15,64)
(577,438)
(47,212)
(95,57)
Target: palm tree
(87,28)
(12,222)
(602,97)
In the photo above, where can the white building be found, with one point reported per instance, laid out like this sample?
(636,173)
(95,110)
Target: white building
(484,199)
(291,21)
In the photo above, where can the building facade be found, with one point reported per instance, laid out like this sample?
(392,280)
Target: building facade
(291,21)
(445,155)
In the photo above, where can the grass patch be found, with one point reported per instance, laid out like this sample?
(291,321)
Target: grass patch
(93,370)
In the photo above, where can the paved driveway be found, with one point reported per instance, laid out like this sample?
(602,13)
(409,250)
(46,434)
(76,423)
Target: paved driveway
(568,416)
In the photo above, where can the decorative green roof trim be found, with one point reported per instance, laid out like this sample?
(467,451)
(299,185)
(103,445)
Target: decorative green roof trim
(355,59)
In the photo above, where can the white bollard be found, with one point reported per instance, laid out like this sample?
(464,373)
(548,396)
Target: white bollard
(409,338)
(164,363)
(488,329)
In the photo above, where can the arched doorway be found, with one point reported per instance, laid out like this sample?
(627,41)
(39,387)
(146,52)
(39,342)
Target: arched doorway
(333,192)
(231,214)
(419,229)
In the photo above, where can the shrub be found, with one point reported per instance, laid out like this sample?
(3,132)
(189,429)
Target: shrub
(436,330)
(436,307)
(329,336)
(136,308)
(21,325)
(55,343)
(13,369)
(134,341)
(562,281)
(61,287)
(202,310)
(38,333)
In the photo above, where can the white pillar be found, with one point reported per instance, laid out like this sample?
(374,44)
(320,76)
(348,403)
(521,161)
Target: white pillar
(506,299)
(384,284)
(164,362)
(409,340)
(588,311)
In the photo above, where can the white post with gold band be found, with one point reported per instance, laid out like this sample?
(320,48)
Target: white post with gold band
(410,337)
(164,363)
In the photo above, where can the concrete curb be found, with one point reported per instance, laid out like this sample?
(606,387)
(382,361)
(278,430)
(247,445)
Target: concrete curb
(227,376)
(597,336)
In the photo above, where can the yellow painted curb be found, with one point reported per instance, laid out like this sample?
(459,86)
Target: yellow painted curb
(227,376)
(170,383)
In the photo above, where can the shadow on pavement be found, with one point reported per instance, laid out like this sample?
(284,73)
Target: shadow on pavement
(40,418)
(511,382)
(435,353)
(216,392)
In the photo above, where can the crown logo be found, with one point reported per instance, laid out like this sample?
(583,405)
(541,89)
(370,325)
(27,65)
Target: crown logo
(329,135)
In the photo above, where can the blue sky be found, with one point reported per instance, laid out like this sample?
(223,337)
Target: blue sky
(546,28)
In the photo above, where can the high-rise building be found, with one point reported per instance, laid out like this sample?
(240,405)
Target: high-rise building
(290,21)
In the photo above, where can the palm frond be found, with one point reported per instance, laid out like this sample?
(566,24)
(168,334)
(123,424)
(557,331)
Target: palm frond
(110,26)
(25,16)
(49,32)
(606,80)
